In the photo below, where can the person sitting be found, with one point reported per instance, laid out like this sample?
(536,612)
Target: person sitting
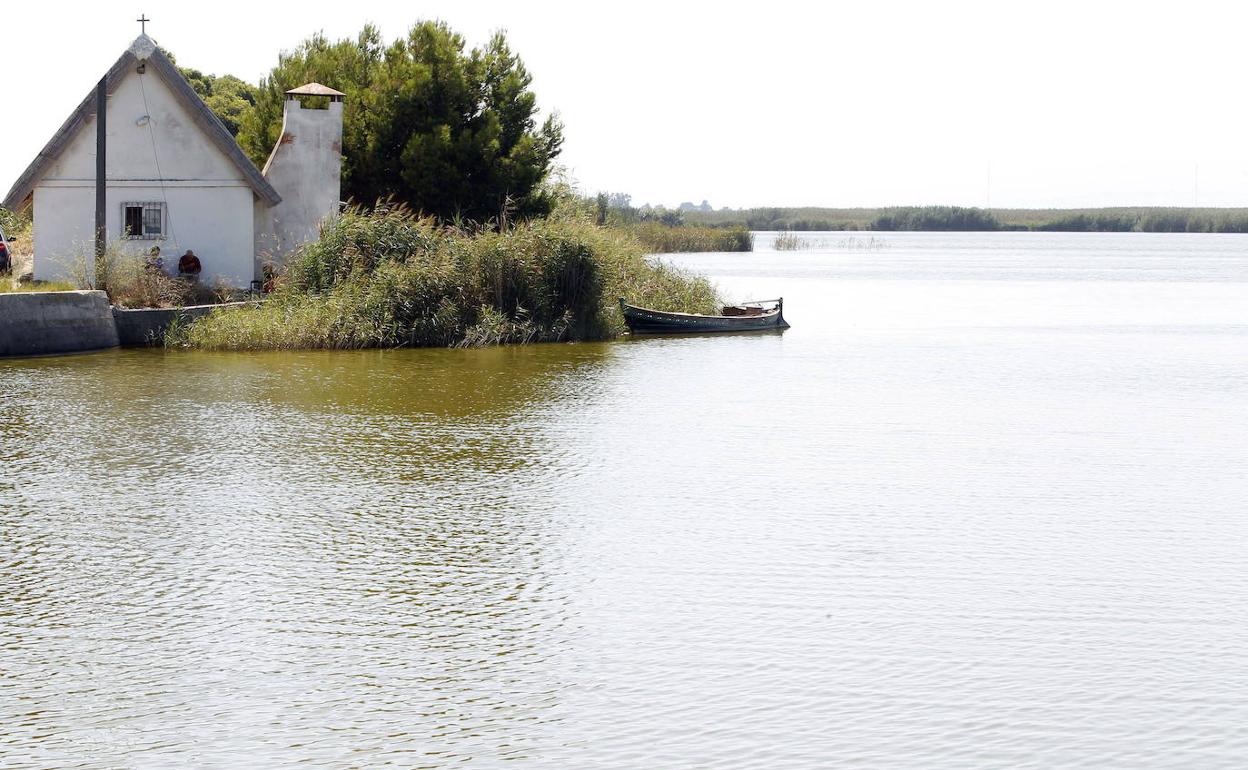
(153,263)
(188,266)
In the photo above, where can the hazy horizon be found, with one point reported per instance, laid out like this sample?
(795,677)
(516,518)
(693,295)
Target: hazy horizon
(969,104)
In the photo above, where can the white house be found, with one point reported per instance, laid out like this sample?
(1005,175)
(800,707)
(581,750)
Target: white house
(175,177)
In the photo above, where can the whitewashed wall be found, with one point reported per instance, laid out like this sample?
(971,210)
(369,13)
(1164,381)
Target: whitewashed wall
(306,170)
(209,203)
(214,222)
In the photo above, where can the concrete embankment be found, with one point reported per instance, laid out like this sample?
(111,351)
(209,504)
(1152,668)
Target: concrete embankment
(147,326)
(48,322)
(39,323)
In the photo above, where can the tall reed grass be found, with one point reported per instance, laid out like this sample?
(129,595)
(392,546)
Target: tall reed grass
(659,238)
(387,278)
(789,241)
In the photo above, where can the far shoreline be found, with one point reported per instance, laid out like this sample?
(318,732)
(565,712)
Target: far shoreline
(1123,219)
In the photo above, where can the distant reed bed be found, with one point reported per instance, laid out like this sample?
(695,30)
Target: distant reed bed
(660,238)
(950,218)
(388,278)
(935,218)
(1150,220)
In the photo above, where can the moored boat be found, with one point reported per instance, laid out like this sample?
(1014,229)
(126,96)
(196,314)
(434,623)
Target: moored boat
(764,315)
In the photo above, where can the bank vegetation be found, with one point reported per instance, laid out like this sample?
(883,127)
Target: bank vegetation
(388,278)
(660,230)
(21,253)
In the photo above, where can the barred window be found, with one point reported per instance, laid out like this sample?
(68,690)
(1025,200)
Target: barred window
(143,220)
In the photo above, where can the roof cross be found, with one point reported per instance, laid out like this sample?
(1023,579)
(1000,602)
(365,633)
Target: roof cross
(143,20)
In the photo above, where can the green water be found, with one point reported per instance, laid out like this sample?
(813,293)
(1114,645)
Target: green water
(982,506)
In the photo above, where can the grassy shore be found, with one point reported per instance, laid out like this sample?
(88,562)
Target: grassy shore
(391,279)
(12,286)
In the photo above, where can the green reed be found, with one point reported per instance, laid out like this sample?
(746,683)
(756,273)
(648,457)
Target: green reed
(659,238)
(388,278)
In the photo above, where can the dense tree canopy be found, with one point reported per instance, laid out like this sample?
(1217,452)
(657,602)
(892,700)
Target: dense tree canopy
(449,132)
(226,95)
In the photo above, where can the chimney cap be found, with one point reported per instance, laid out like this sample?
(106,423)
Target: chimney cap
(314,89)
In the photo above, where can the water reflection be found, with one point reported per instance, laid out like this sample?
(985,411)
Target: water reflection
(186,526)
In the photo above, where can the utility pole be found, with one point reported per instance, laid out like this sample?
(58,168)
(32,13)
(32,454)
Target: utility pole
(101,228)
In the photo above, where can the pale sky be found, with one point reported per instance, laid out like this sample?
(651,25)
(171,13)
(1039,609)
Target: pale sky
(776,103)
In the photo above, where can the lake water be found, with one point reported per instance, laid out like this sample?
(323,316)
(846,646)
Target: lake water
(984,505)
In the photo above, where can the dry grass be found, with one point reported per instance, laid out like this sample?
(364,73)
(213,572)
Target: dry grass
(129,283)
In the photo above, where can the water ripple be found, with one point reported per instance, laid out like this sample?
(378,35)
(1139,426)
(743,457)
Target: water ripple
(959,520)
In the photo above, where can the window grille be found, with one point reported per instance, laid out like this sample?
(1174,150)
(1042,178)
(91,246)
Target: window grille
(143,221)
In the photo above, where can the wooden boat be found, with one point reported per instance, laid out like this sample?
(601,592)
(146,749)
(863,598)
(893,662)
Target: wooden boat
(763,315)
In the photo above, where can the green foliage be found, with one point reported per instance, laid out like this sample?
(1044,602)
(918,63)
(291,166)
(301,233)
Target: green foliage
(1123,219)
(659,230)
(1092,223)
(1129,219)
(449,132)
(1193,221)
(14,224)
(928,218)
(658,238)
(601,209)
(227,96)
(662,216)
(799,219)
(21,250)
(387,278)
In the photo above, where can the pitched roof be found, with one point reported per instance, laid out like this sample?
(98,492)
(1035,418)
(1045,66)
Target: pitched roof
(143,49)
(314,89)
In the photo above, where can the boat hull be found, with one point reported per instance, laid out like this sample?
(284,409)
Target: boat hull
(642,320)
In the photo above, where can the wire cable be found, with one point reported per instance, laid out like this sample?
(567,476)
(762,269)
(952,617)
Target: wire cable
(151,132)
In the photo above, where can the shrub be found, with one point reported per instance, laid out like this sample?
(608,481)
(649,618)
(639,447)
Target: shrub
(387,278)
(129,283)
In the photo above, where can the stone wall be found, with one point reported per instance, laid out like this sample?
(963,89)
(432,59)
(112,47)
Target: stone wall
(41,323)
